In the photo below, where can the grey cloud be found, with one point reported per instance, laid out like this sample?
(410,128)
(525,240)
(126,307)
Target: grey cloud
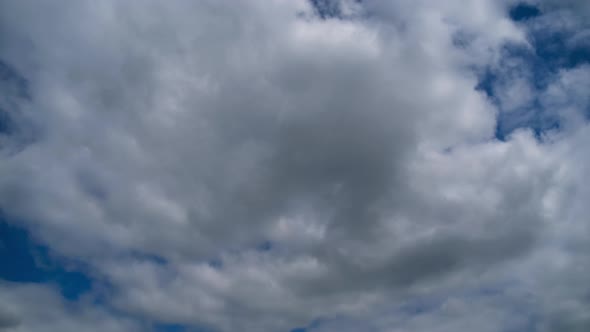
(348,138)
(8,320)
(37,308)
(193,132)
(425,261)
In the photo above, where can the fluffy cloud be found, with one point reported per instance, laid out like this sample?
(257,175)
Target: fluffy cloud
(255,166)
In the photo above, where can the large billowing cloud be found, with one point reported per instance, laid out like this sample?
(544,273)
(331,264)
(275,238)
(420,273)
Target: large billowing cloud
(258,166)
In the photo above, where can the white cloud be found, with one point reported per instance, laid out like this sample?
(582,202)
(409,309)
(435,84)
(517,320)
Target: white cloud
(358,148)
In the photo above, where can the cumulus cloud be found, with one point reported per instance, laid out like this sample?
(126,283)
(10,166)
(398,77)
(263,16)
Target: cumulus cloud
(260,165)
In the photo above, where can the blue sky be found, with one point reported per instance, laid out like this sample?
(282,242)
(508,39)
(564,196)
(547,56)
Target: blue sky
(550,54)
(30,262)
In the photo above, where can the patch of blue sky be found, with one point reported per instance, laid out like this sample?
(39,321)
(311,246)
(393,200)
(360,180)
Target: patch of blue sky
(23,259)
(540,122)
(551,52)
(332,9)
(26,261)
(170,328)
(555,50)
(327,8)
(523,12)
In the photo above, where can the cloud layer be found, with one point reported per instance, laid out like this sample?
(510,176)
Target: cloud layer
(266,165)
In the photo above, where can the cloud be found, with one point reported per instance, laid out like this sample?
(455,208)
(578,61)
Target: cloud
(8,320)
(257,166)
(36,308)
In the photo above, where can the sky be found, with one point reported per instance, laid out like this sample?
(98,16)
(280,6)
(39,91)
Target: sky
(294,166)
